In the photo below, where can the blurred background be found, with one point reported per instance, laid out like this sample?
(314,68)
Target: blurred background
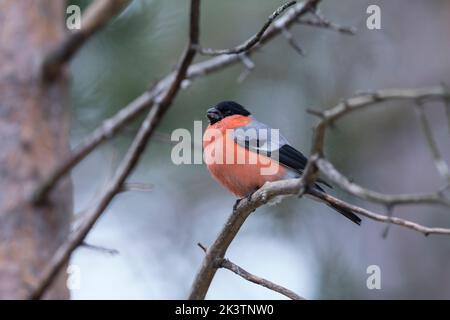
(299,244)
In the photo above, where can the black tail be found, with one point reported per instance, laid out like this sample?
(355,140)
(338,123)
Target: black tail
(346,213)
(335,205)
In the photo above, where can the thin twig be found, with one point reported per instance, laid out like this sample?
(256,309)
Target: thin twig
(136,186)
(109,251)
(328,25)
(439,162)
(322,22)
(247,62)
(291,40)
(97,15)
(249,67)
(352,188)
(447,105)
(389,213)
(426,231)
(201,246)
(447,112)
(252,41)
(112,126)
(314,112)
(107,130)
(371,100)
(227,264)
(128,163)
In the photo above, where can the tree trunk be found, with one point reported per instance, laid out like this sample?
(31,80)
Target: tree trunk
(33,138)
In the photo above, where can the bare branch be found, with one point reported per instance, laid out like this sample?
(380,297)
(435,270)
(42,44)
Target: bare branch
(201,246)
(270,190)
(314,112)
(439,162)
(107,130)
(97,15)
(291,40)
(135,186)
(129,162)
(227,264)
(447,106)
(113,125)
(389,214)
(249,66)
(386,199)
(447,111)
(101,249)
(322,22)
(253,40)
(385,219)
(370,99)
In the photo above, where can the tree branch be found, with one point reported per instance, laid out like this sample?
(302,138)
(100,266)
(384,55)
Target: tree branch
(322,22)
(361,101)
(113,125)
(129,162)
(136,186)
(227,264)
(97,15)
(101,249)
(388,200)
(447,112)
(292,42)
(383,218)
(252,41)
(107,130)
(270,190)
(217,250)
(439,162)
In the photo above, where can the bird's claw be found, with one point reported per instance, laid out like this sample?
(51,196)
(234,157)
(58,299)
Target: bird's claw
(248,197)
(236,204)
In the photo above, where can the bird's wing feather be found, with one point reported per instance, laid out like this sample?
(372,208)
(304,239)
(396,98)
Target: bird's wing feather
(259,138)
(262,139)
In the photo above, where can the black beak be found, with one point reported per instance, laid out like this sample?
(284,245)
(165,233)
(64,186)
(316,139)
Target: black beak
(213,115)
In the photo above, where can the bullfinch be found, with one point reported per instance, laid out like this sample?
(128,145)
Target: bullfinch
(242,154)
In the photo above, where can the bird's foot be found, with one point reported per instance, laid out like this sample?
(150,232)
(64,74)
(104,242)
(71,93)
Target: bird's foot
(236,204)
(248,197)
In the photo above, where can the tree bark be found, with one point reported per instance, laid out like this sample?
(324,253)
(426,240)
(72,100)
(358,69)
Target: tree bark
(33,139)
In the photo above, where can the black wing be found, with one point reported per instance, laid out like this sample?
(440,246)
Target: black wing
(294,159)
(257,137)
